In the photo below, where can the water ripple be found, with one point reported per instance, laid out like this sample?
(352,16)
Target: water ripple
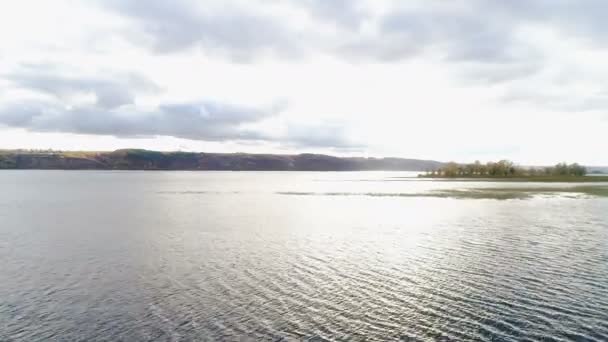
(336,260)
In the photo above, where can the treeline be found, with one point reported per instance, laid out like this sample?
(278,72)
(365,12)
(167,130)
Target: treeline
(505,168)
(31,150)
(136,159)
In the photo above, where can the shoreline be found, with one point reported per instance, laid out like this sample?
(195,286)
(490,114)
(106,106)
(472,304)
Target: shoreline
(534,179)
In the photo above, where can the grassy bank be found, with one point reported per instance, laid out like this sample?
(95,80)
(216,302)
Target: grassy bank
(523,193)
(496,193)
(542,179)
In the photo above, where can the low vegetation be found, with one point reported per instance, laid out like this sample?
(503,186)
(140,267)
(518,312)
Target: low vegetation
(524,192)
(496,193)
(506,169)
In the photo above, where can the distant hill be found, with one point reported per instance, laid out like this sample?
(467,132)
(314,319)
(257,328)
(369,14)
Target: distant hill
(133,159)
(598,169)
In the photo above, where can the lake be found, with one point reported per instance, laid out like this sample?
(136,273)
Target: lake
(180,256)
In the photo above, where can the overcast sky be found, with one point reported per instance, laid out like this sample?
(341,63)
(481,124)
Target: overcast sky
(447,80)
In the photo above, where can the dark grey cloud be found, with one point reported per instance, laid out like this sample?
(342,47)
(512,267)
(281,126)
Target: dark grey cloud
(479,47)
(461,35)
(198,121)
(225,29)
(111,90)
(485,35)
(114,112)
(207,121)
(482,31)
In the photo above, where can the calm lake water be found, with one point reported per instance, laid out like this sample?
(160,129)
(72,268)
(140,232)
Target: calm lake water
(180,256)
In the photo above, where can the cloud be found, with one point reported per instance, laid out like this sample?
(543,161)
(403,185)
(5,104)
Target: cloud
(208,121)
(557,101)
(458,33)
(346,13)
(110,91)
(114,112)
(204,121)
(215,28)
(493,73)
(317,135)
(583,19)
(452,31)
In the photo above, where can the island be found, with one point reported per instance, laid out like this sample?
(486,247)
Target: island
(509,171)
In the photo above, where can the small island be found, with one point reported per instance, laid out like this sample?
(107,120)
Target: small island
(509,171)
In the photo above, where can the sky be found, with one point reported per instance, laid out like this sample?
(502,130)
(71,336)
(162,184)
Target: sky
(524,80)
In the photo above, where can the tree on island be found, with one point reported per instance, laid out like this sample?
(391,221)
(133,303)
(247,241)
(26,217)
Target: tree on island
(505,168)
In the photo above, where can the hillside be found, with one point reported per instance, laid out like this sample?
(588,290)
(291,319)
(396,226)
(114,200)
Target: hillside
(132,159)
